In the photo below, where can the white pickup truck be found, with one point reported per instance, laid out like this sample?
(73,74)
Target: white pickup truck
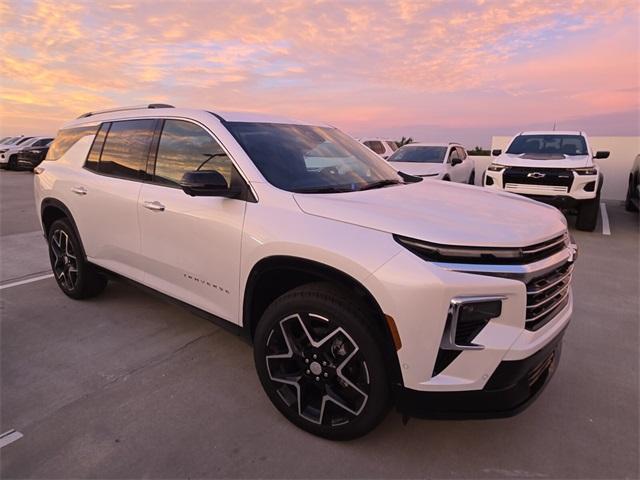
(552,167)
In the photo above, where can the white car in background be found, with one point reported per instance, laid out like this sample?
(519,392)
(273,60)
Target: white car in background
(440,161)
(553,167)
(384,148)
(9,153)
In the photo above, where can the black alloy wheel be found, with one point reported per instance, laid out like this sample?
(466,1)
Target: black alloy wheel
(319,366)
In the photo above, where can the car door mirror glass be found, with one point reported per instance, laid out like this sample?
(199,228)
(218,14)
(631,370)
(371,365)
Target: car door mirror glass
(210,183)
(496,152)
(455,161)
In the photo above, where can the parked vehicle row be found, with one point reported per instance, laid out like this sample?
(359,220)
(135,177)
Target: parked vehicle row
(23,152)
(360,287)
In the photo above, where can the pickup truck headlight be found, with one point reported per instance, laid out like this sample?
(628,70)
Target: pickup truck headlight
(586,171)
(495,167)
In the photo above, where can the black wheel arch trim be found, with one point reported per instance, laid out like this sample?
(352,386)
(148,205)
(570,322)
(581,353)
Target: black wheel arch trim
(58,205)
(326,273)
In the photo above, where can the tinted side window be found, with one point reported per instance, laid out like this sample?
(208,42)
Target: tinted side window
(42,142)
(375,146)
(126,148)
(96,149)
(393,145)
(185,147)
(461,153)
(453,154)
(67,139)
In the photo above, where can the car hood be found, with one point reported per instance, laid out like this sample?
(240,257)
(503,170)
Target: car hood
(416,168)
(442,212)
(544,160)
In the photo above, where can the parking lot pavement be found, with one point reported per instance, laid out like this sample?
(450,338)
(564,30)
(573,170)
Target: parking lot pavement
(126,385)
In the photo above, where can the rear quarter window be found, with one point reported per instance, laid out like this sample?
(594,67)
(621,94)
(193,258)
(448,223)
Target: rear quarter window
(66,139)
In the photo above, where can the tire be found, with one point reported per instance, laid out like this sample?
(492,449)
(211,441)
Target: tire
(76,277)
(342,356)
(588,214)
(472,178)
(13,163)
(629,206)
(446,179)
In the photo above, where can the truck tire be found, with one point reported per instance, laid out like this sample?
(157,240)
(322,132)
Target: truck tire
(588,214)
(321,363)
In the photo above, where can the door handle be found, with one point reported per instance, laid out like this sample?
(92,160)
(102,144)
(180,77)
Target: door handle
(79,190)
(155,206)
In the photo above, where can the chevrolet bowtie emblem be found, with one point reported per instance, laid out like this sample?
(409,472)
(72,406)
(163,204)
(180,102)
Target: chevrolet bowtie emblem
(535,175)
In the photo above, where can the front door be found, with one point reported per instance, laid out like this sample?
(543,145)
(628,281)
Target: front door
(191,245)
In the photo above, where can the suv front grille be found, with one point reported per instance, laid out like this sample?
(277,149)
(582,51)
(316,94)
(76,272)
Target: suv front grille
(547,295)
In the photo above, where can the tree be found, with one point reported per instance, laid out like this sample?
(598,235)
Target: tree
(404,141)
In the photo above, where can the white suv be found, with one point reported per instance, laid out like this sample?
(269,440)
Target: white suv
(439,161)
(359,287)
(553,167)
(384,148)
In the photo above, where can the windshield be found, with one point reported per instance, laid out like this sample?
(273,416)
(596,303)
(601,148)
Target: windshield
(310,159)
(23,140)
(416,154)
(548,145)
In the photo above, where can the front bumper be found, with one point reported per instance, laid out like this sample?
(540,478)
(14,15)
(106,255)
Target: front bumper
(512,387)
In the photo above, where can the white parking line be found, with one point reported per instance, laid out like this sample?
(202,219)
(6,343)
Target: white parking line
(605,219)
(8,437)
(28,280)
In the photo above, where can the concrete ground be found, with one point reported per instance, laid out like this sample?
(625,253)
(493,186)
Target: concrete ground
(127,386)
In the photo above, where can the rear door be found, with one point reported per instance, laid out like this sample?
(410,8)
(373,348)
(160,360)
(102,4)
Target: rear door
(191,245)
(107,195)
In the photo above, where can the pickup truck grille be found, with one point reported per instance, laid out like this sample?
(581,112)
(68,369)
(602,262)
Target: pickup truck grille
(547,295)
(556,177)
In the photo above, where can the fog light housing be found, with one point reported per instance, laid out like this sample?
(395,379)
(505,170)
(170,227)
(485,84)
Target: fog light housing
(467,316)
(590,187)
(489,180)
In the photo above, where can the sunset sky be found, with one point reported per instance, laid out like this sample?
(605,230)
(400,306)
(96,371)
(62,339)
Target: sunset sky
(459,70)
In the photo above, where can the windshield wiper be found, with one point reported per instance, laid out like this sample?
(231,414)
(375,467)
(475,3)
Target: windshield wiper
(380,184)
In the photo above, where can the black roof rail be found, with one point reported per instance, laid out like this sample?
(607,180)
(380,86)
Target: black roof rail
(122,109)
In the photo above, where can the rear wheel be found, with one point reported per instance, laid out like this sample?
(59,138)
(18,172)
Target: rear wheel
(13,163)
(76,277)
(319,364)
(588,214)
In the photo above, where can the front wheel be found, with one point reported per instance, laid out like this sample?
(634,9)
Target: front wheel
(320,363)
(472,178)
(76,277)
(588,214)
(13,163)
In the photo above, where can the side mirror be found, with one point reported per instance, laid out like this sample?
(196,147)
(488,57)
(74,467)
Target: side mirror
(455,161)
(496,152)
(207,184)
(601,155)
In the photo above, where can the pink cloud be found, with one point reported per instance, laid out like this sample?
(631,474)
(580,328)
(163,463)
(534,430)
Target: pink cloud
(358,65)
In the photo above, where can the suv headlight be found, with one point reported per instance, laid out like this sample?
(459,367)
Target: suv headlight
(496,167)
(586,171)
